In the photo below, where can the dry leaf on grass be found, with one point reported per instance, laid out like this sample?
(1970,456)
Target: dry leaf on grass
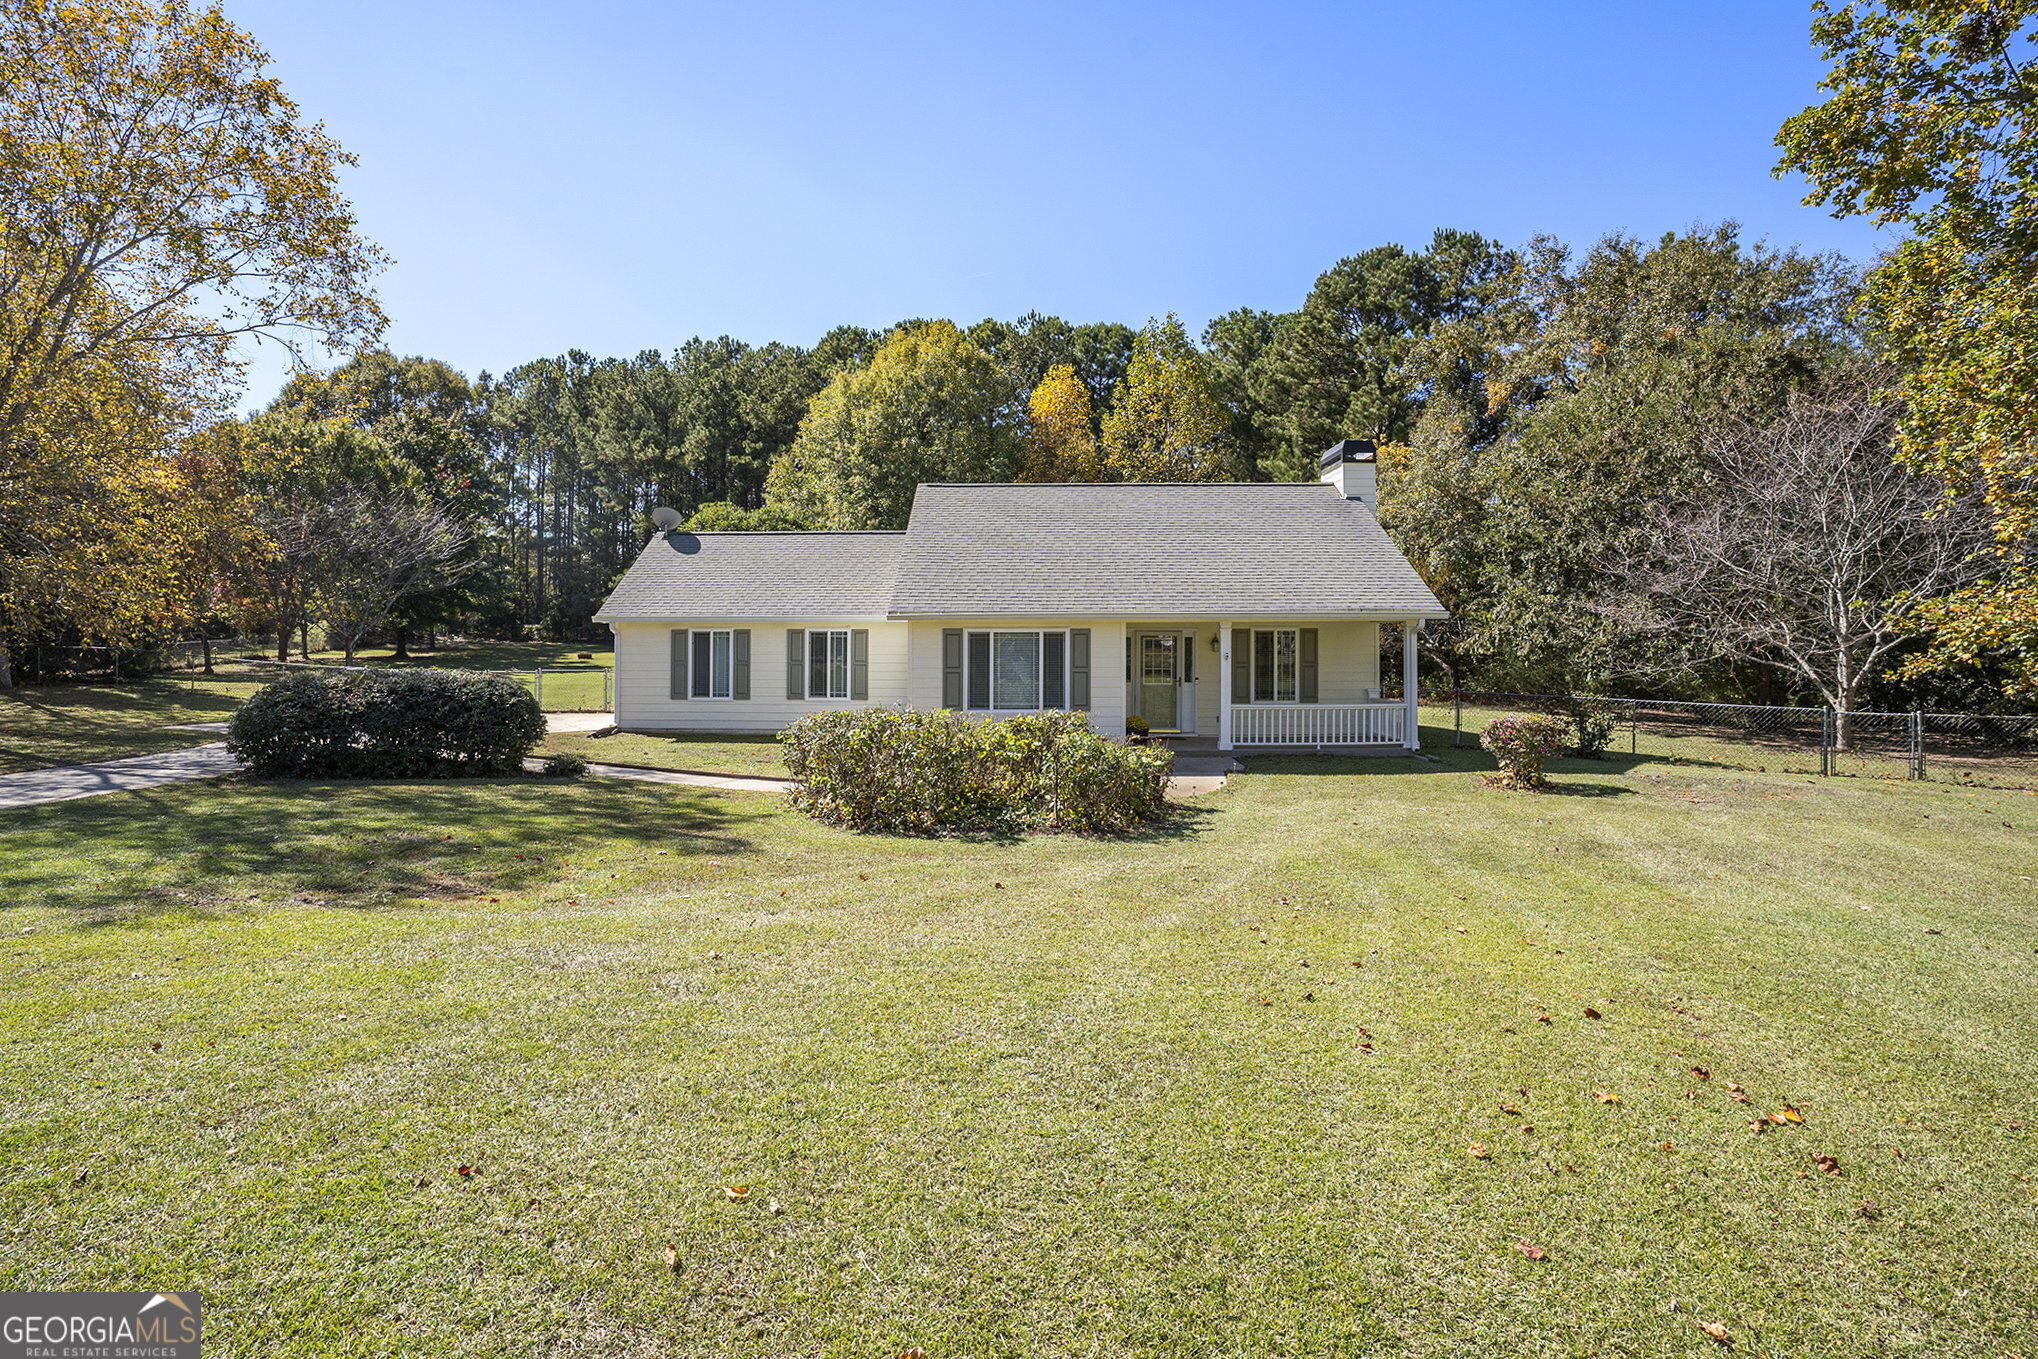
(1509,1109)
(1532,1252)
(1701,1073)
(736,1191)
(1826,1163)
(1477,1151)
(1716,1331)
(915,1353)
(774,1208)
(1738,1096)
(672,1257)
(1591,1013)
(465,1172)
(1786,1114)
(1606,1097)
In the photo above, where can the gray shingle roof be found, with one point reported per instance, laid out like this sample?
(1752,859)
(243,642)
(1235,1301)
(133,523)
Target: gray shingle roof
(1236,550)
(1174,550)
(757,575)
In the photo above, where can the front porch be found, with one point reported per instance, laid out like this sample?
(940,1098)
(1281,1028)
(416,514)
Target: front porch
(1311,684)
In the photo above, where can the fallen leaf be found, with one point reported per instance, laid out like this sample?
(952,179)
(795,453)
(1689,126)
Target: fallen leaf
(465,1172)
(1528,1127)
(736,1191)
(915,1353)
(1591,1013)
(672,1257)
(1733,1086)
(1309,995)
(1787,1114)
(1509,1109)
(774,1208)
(1668,1147)
(1606,1097)
(155,1047)
(1701,1073)
(1532,1252)
(1930,930)
(1756,1125)
(1738,1096)
(1507,1028)
(1867,1210)
(1716,1331)
(1544,1019)
(1826,1163)
(1365,1047)
(1477,1151)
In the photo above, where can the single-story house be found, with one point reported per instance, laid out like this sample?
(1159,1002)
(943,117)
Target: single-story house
(1245,612)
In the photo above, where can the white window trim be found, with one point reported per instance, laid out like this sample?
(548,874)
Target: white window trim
(1040,636)
(848,665)
(694,669)
(1252,669)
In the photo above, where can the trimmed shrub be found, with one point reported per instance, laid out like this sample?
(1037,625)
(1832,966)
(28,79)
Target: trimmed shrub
(1592,724)
(923,772)
(386,724)
(565,764)
(1137,728)
(1521,744)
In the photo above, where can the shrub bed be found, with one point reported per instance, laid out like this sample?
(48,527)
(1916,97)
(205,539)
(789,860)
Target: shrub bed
(1521,744)
(386,724)
(924,772)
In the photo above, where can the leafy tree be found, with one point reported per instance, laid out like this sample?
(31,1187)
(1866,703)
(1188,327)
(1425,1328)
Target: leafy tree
(1166,422)
(1241,346)
(1560,411)
(720,516)
(930,406)
(1060,443)
(159,200)
(1929,125)
(1030,347)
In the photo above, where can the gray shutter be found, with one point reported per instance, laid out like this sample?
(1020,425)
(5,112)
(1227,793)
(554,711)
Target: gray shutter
(679,662)
(1079,669)
(1305,666)
(739,671)
(859,663)
(951,667)
(795,658)
(1241,665)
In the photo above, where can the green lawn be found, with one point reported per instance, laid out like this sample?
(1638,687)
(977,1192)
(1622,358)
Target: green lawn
(55,724)
(575,674)
(699,754)
(1207,1092)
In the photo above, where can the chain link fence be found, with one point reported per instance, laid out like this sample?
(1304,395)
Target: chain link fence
(2001,750)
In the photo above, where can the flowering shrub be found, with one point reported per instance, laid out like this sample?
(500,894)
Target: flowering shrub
(921,772)
(1521,744)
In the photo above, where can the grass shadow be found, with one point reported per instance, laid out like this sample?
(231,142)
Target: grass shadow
(200,846)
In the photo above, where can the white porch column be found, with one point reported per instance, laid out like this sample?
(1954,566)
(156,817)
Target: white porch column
(1412,738)
(1224,686)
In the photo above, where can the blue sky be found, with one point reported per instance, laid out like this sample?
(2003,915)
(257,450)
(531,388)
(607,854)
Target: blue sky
(618,177)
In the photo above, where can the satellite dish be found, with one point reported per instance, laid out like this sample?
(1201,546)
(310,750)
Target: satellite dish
(667,520)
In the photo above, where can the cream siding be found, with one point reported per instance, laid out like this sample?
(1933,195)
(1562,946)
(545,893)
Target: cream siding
(1107,651)
(644,699)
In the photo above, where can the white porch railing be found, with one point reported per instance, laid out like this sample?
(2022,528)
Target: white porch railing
(1319,724)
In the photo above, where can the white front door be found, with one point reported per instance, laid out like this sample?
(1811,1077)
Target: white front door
(1159,670)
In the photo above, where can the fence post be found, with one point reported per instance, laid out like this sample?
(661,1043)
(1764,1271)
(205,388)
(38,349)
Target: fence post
(1634,716)
(1917,745)
(1825,743)
(1457,717)
(538,686)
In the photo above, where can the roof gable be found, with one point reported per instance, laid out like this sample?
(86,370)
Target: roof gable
(757,575)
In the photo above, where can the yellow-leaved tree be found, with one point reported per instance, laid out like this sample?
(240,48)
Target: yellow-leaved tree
(1060,444)
(160,200)
(929,406)
(1166,422)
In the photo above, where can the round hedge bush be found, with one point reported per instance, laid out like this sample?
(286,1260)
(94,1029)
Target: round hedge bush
(386,724)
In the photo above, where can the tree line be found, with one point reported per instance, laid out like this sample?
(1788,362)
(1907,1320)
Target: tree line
(1698,464)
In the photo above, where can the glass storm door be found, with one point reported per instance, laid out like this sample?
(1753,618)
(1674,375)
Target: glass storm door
(1159,674)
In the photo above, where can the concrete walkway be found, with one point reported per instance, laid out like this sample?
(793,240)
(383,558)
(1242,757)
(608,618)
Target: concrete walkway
(115,776)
